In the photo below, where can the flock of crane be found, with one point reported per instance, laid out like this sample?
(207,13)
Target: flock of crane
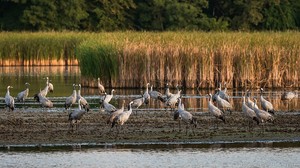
(218,104)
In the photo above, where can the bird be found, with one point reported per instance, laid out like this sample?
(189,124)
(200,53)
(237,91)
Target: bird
(9,100)
(50,85)
(249,113)
(225,105)
(115,114)
(24,94)
(263,115)
(45,91)
(167,92)
(215,111)
(155,94)
(123,117)
(45,102)
(221,93)
(108,97)
(109,108)
(136,103)
(266,105)
(173,100)
(100,87)
(146,94)
(249,102)
(289,95)
(71,99)
(186,116)
(76,116)
(84,104)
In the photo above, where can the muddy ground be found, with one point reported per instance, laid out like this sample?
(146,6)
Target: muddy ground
(146,126)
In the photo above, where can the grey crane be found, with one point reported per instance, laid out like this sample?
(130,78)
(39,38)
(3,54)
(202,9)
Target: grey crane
(215,111)
(108,97)
(24,94)
(100,87)
(167,92)
(84,104)
(109,108)
(222,93)
(289,95)
(136,103)
(263,115)
(71,99)
(265,104)
(225,105)
(186,116)
(155,94)
(249,102)
(249,113)
(76,116)
(115,114)
(146,94)
(9,100)
(45,102)
(173,100)
(123,117)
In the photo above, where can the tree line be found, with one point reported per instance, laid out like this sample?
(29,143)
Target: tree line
(149,15)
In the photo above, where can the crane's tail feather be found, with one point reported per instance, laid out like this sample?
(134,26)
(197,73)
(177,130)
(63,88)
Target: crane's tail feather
(256,119)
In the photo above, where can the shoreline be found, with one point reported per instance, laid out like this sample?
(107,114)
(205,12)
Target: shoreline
(283,143)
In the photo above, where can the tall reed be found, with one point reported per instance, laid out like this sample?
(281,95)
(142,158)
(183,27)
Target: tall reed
(195,59)
(47,48)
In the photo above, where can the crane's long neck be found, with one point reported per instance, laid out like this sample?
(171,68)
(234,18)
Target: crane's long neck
(147,88)
(7,93)
(79,106)
(151,88)
(79,91)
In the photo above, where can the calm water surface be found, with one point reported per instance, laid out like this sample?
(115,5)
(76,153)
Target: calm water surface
(182,157)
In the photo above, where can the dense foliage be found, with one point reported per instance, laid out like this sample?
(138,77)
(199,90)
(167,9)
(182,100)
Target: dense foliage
(149,15)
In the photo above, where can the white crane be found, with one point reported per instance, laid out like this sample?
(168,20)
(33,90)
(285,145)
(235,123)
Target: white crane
(71,99)
(76,116)
(265,104)
(84,104)
(9,100)
(215,111)
(24,94)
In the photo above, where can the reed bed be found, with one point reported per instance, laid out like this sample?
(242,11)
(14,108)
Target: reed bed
(42,48)
(198,60)
(190,59)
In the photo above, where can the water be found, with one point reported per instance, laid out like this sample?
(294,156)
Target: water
(178,157)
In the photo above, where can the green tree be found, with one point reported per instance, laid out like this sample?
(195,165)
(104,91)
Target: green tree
(280,15)
(110,15)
